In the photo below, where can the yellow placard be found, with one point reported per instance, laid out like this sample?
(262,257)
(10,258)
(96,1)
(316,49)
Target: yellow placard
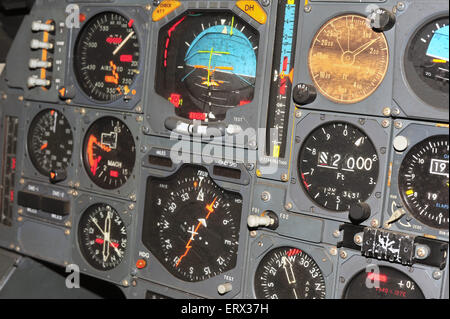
(165,7)
(253,9)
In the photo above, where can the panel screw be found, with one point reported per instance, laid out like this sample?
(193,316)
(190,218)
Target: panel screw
(395,111)
(139,109)
(374,223)
(333,251)
(386,111)
(298,114)
(437,275)
(288,206)
(284,177)
(67,232)
(343,254)
(253,233)
(398,124)
(385,123)
(358,239)
(265,3)
(19,219)
(336,234)
(265,196)
(401,6)
(4,96)
(308,8)
(125,283)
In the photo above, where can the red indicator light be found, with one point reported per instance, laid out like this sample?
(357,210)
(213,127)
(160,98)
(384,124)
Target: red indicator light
(114,174)
(197,116)
(377,277)
(141,263)
(11,196)
(126,58)
(244,102)
(82,17)
(175,99)
(13,164)
(130,24)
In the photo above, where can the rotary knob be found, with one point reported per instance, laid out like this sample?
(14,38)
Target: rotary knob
(382,20)
(304,94)
(359,213)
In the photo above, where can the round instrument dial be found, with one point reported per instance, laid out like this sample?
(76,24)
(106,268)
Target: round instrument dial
(102,237)
(109,153)
(347,59)
(210,68)
(338,166)
(106,57)
(423,181)
(289,273)
(192,225)
(50,142)
(426,62)
(387,283)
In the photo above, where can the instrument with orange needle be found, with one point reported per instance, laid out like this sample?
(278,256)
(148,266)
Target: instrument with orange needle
(210,208)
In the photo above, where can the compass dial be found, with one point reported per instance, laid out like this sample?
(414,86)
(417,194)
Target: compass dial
(192,225)
(50,142)
(102,236)
(347,59)
(289,273)
(423,181)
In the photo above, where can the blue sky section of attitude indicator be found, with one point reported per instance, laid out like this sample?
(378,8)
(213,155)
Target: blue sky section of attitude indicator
(224,49)
(439,46)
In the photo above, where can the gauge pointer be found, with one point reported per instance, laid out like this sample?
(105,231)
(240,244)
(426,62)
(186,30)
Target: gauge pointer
(289,273)
(202,221)
(123,43)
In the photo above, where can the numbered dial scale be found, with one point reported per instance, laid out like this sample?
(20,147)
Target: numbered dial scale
(348,60)
(289,273)
(109,153)
(338,166)
(424,183)
(50,142)
(384,283)
(106,57)
(192,225)
(426,62)
(102,237)
(207,64)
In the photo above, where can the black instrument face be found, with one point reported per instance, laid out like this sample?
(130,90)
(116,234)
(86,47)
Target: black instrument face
(102,237)
(106,57)
(109,153)
(423,181)
(206,64)
(388,283)
(50,142)
(338,166)
(426,62)
(289,273)
(192,225)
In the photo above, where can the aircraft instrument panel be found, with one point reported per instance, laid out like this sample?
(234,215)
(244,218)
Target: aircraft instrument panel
(265,149)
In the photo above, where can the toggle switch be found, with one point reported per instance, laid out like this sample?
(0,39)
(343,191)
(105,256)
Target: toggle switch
(35,81)
(38,64)
(36,45)
(37,26)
